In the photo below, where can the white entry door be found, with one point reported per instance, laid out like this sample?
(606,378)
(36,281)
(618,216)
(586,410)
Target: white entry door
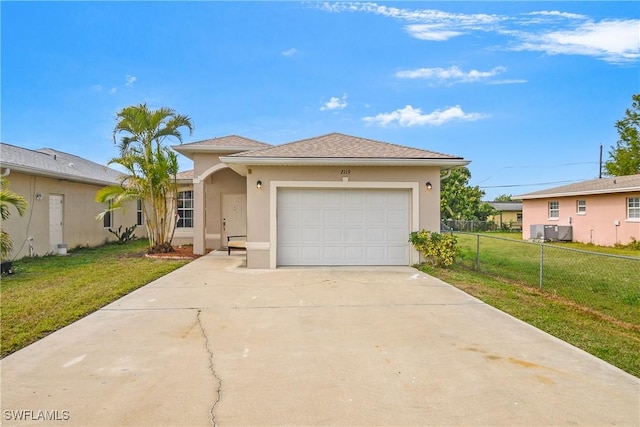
(343,227)
(234,216)
(56,211)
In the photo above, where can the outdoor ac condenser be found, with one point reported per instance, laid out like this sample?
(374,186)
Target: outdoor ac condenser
(565,233)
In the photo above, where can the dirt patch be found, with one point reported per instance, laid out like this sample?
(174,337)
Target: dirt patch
(179,252)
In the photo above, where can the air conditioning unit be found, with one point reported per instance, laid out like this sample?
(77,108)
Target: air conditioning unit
(565,233)
(543,232)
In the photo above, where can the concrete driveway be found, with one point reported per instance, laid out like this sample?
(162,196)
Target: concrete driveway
(215,343)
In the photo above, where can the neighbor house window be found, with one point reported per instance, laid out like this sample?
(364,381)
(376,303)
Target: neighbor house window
(581,206)
(107,219)
(139,212)
(185,209)
(633,208)
(554,209)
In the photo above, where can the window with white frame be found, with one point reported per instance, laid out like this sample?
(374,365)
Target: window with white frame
(633,208)
(581,207)
(185,209)
(554,210)
(139,212)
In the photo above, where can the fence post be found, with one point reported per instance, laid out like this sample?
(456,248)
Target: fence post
(477,252)
(541,262)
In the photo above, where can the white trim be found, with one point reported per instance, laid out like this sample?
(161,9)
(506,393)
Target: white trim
(211,170)
(314,161)
(414,225)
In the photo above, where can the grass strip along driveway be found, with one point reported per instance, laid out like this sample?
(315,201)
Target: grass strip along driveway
(47,293)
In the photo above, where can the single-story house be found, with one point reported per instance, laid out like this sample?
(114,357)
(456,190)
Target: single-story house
(330,200)
(509,215)
(60,189)
(602,211)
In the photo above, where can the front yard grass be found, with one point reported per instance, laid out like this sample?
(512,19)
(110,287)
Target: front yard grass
(47,293)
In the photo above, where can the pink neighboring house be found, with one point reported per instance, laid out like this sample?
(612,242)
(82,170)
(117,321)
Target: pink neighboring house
(602,211)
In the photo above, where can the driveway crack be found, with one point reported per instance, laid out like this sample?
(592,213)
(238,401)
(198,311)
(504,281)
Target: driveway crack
(212,369)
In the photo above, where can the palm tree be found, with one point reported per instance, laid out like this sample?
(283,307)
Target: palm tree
(7,199)
(151,169)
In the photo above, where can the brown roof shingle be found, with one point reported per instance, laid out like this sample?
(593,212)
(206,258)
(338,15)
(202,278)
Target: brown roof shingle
(227,141)
(616,184)
(337,145)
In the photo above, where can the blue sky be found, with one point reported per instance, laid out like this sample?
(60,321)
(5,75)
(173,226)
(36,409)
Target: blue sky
(525,90)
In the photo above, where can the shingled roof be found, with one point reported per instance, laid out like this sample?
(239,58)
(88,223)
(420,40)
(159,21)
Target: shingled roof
(56,164)
(337,145)
(618,184)
(224,144)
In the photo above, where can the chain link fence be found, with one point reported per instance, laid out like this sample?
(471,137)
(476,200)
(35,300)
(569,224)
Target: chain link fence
(475,225)
(609,284)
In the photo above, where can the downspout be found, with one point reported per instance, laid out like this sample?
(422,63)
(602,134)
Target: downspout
(5,172)
(446,175)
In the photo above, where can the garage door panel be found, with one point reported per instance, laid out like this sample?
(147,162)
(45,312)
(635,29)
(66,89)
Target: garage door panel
(354,235)
(354,217)
(343,227)
(375,235)
(311,235)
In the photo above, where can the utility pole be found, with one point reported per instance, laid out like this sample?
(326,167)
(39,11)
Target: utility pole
(600,171)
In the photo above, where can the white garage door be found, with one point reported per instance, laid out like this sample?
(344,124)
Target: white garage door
(343,227)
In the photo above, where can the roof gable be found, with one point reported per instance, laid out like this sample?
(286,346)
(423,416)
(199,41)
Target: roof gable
(337,145)
(226,142)
(56,164)
(618,184)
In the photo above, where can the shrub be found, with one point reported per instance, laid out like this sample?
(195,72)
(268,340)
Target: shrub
(124,236)
(439,249)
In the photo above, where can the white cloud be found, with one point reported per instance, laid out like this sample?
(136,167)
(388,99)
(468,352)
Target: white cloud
(335,103)
(451,74)
(130,80)
(431,32)
(552,31)
(612,41)
(409,117)
(96,88)
(289,52)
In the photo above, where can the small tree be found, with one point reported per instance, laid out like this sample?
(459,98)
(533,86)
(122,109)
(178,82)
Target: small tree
(624,159)
(151,169)
(459,200)
(7,199)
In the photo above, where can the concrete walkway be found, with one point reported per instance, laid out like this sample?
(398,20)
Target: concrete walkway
(215,343)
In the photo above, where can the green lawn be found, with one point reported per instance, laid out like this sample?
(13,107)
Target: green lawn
(47,293)
(607,284)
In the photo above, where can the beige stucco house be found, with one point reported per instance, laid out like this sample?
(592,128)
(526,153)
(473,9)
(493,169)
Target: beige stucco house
(329,200)
(600,211)
(509,215)
(60,189)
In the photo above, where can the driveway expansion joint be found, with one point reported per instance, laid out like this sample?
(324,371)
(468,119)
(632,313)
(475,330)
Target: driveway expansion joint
(212,369)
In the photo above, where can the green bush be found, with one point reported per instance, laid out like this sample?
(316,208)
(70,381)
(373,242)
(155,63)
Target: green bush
(439,249)
(124,236)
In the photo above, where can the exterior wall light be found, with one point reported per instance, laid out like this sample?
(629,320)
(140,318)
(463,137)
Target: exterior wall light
(259,184)
(429,186)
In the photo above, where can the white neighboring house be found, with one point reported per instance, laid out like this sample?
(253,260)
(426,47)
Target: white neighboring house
(60,189)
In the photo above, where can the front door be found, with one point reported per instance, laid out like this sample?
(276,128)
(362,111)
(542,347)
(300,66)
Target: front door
(234,216)
(56,209)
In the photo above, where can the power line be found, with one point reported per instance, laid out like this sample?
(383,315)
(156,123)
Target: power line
(531,185)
